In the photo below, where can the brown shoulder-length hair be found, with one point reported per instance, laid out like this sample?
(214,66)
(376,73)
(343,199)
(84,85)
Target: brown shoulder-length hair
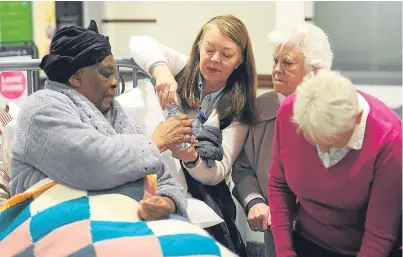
(239,95)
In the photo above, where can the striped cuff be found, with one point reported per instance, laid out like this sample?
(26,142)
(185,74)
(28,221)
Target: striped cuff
(253,203)
(252,196)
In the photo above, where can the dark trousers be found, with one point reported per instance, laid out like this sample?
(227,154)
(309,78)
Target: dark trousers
(305,248)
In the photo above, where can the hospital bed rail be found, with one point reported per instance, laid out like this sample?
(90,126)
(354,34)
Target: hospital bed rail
(31,65)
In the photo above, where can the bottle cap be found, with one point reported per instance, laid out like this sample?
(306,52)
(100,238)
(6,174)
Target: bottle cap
(202,117)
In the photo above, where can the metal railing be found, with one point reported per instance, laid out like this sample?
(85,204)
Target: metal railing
(33,65)
(22,49)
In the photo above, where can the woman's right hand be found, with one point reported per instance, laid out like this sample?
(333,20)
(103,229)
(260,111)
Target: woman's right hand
(175,130)
(165,85)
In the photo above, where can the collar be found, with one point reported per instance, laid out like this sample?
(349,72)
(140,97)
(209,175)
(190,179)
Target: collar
(357,139)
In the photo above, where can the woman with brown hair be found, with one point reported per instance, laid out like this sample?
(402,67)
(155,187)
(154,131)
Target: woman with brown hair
(218,79)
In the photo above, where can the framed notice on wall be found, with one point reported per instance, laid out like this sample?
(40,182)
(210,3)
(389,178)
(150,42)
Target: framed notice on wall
(15,21)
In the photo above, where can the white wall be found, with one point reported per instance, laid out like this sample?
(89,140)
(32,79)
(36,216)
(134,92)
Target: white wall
(93,10)
(179,31)
(288,12)
(390,95)
(309,9)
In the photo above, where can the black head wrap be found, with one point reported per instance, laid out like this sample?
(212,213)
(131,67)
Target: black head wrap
(73,48)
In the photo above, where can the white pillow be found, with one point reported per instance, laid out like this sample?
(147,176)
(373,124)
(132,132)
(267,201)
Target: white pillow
(6,140)
(201,215)
(13,109)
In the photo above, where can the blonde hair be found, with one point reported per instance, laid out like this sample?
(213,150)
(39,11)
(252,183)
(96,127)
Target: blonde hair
(311,40)
(325,105)
(239,95)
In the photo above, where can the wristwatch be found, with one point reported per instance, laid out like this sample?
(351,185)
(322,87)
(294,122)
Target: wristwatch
(191,164)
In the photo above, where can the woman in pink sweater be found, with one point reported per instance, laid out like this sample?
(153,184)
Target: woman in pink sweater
(339,151)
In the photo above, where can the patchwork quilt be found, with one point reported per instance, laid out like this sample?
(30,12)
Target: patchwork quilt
(53,220)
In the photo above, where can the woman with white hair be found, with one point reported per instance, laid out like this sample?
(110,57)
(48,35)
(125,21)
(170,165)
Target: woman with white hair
(339,151)
(300,51)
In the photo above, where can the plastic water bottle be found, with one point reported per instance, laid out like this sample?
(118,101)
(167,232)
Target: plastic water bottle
(197,124)
(173,110)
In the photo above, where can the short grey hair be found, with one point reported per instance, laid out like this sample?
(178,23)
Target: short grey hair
(325,105)
(311,40)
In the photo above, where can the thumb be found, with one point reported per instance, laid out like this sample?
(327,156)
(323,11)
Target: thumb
(160,124)
(265,222)
(150,187)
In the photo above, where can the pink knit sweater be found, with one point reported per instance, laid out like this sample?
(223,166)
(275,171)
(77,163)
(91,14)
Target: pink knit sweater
(353,207)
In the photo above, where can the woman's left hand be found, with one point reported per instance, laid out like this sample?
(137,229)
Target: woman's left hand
(156,207)
(187,155)
(259,218)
